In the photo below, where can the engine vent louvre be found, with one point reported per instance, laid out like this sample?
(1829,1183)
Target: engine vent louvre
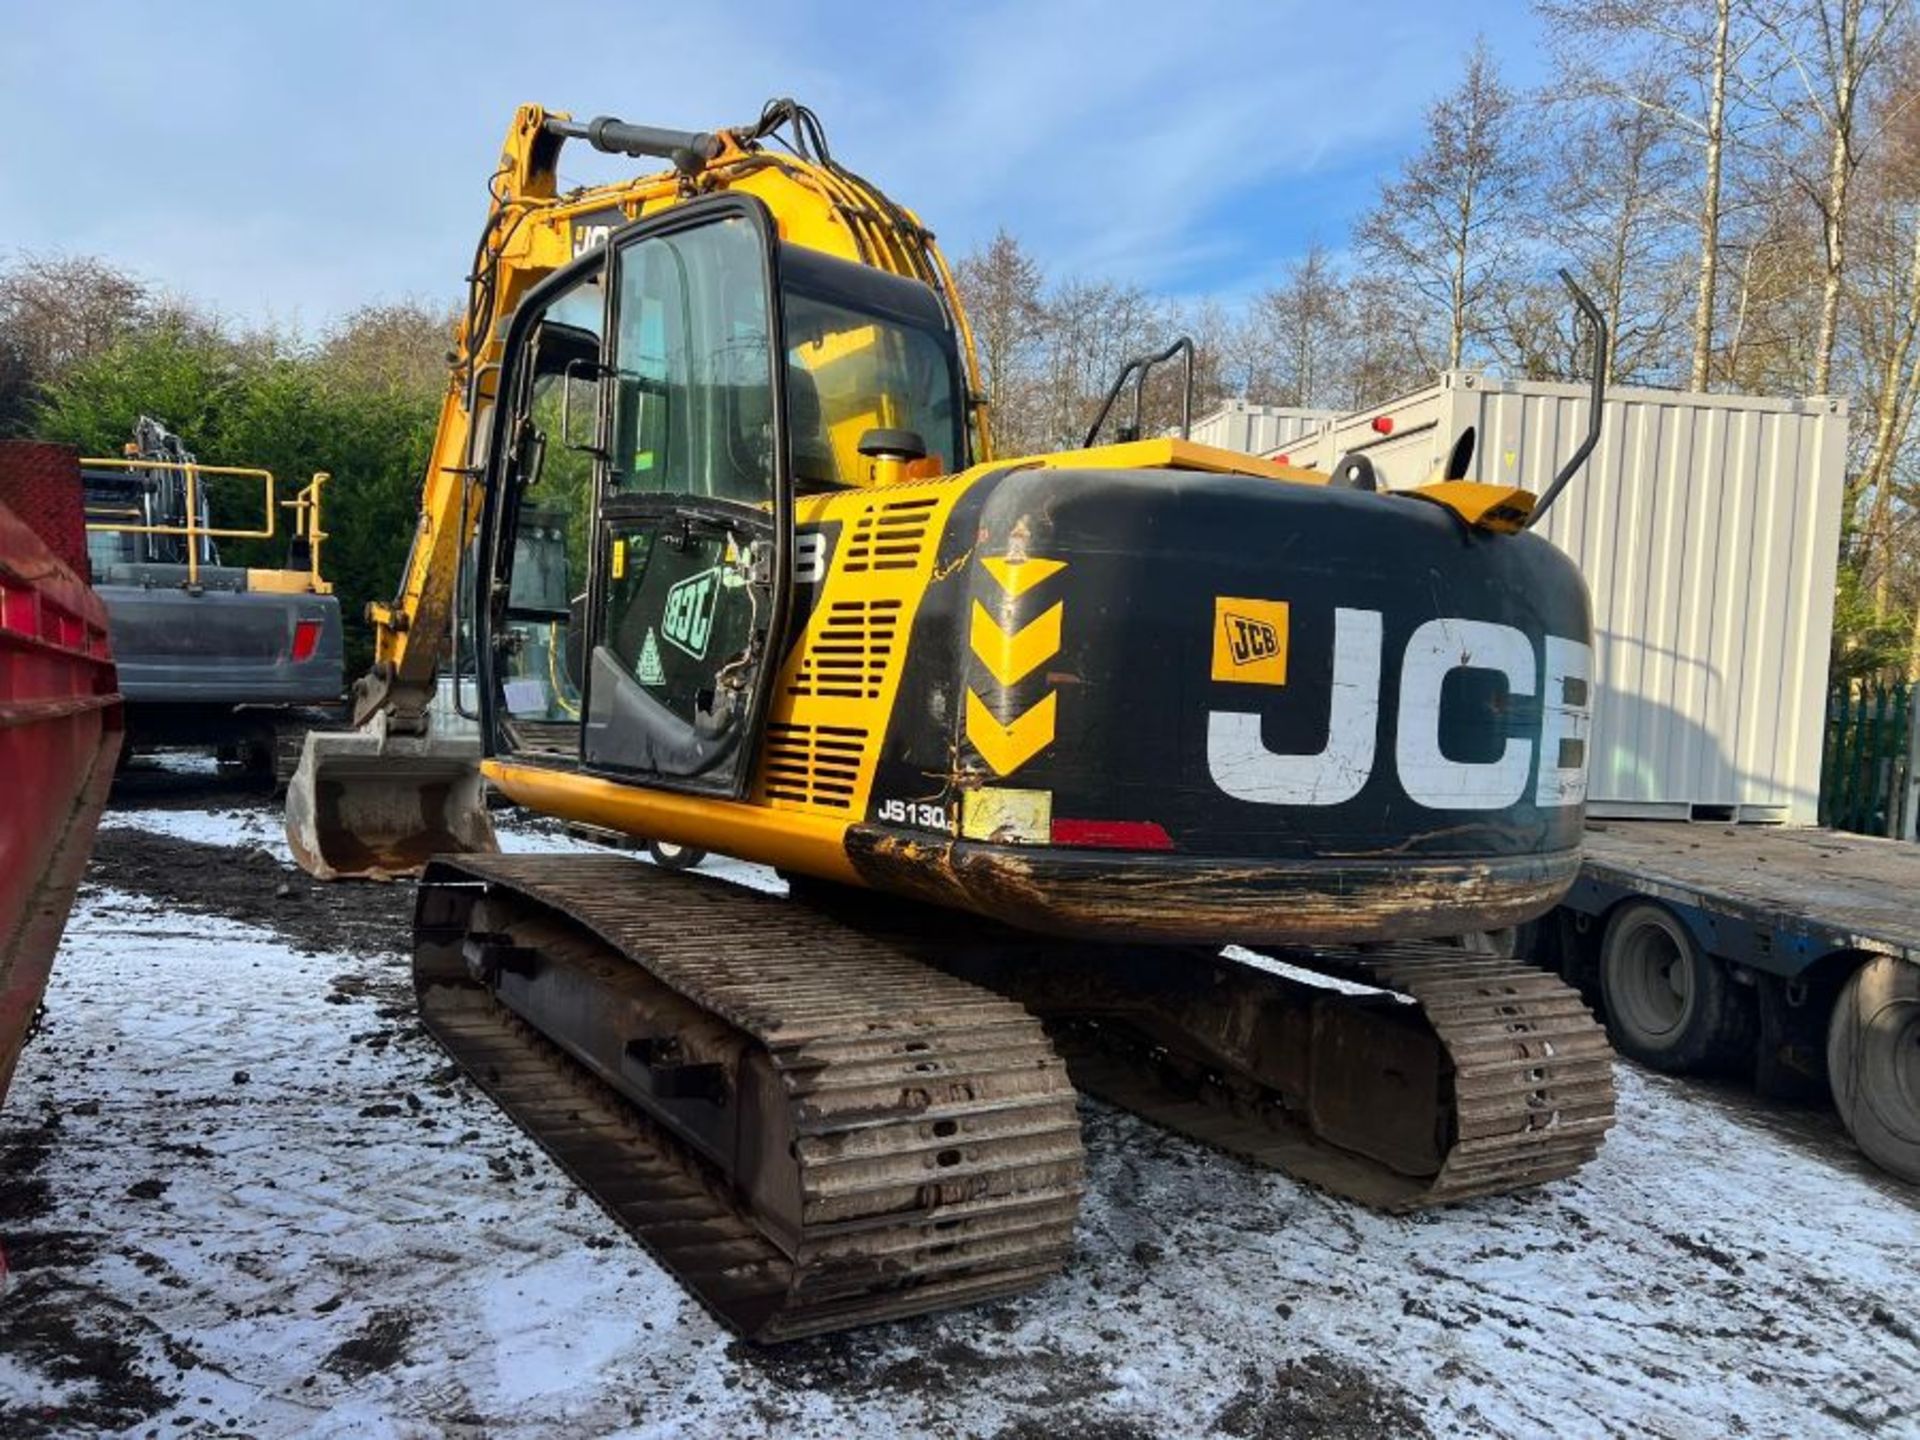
(847,657)
(890,536)
(814,764)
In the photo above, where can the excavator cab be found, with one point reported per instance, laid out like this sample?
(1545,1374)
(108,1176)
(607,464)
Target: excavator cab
(730,369)
(663,399)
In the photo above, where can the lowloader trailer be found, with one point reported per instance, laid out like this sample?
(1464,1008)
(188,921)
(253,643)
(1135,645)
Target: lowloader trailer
(1792,952)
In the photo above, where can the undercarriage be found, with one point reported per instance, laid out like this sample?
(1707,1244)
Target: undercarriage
(833,1110)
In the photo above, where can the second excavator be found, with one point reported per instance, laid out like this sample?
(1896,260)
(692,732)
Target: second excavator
(1032,739)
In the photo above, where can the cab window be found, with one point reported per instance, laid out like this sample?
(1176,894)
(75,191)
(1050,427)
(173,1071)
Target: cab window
(692,412)
(850,372)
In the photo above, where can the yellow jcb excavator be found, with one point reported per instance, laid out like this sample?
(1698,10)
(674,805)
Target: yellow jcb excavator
(1031,739)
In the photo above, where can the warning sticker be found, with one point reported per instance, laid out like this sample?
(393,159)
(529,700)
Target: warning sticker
(649,668)
(1250,641)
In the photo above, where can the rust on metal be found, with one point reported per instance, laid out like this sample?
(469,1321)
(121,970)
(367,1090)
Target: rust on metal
(1179,900)
(1401,1076)
(1494,1078)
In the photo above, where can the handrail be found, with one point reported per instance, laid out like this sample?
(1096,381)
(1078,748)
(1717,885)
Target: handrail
(1597,323)
(305,506)
(1136,369)
(306,526)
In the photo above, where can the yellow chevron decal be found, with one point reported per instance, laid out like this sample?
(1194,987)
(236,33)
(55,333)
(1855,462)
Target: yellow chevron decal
(1016,577)
(1010,657)
(1007,747)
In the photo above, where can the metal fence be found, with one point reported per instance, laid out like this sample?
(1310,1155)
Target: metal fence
(1870,782)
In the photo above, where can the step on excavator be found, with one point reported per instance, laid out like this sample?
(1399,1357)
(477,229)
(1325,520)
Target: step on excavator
(1146,768)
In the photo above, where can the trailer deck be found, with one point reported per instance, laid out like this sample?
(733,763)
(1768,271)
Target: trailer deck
(1775,899)
(1790,954)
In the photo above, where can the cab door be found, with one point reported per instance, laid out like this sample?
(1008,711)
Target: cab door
(693,530)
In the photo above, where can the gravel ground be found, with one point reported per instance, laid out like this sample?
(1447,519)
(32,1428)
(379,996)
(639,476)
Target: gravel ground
(243,1194)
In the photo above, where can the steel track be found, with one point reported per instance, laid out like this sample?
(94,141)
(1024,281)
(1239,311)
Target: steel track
(931,1129)
(1525,1091)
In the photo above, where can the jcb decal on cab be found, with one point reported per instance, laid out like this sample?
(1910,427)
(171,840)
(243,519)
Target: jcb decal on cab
(689,614)
(1243,766)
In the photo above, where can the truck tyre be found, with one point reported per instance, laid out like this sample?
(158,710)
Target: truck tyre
(669,856)
(1669,1004)
(1873,1062)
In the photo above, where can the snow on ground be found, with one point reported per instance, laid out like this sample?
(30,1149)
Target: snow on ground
(238,828)
(257,1201)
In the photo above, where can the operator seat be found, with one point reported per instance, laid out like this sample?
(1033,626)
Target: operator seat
(814,467)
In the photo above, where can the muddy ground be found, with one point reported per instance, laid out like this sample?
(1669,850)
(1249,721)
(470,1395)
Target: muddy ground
(243,1194)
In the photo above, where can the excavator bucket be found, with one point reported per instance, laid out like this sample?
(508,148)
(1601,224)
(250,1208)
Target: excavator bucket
(368,805)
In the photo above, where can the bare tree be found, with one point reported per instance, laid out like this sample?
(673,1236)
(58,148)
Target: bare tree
(1445,228)
(1614,207)
(1884,289)
(56,310)
(1833,48)
(1769,293)
(1216,342)
(1002,287)
(1693,65)
(1093,327)
(1295,333)
(1382,356)
(401,347)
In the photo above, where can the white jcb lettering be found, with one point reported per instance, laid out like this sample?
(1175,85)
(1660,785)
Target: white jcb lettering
(1242,765)
(1566,723)
(1438,648)
(809,557)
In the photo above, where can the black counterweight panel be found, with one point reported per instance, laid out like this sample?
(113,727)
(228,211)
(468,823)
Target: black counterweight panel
(1263,670)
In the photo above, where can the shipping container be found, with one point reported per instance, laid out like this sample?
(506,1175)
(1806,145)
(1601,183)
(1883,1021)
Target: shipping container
(1708,528)
(1258,429)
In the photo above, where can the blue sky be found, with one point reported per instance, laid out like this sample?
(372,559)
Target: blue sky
(289,162)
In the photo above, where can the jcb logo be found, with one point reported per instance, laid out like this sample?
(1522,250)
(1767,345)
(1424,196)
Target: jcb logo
(1243,766)
(1250,641)
(592,230)
(590,237)
(689,615)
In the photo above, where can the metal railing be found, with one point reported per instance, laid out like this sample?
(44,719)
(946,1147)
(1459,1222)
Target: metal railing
(1870,781)
(305,506)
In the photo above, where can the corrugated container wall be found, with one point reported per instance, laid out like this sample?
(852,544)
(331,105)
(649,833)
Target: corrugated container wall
(1258,429)
(1708,529)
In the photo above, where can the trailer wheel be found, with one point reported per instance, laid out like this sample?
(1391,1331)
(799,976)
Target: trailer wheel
(1669,1004)
(669,856)
(1873,1062)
